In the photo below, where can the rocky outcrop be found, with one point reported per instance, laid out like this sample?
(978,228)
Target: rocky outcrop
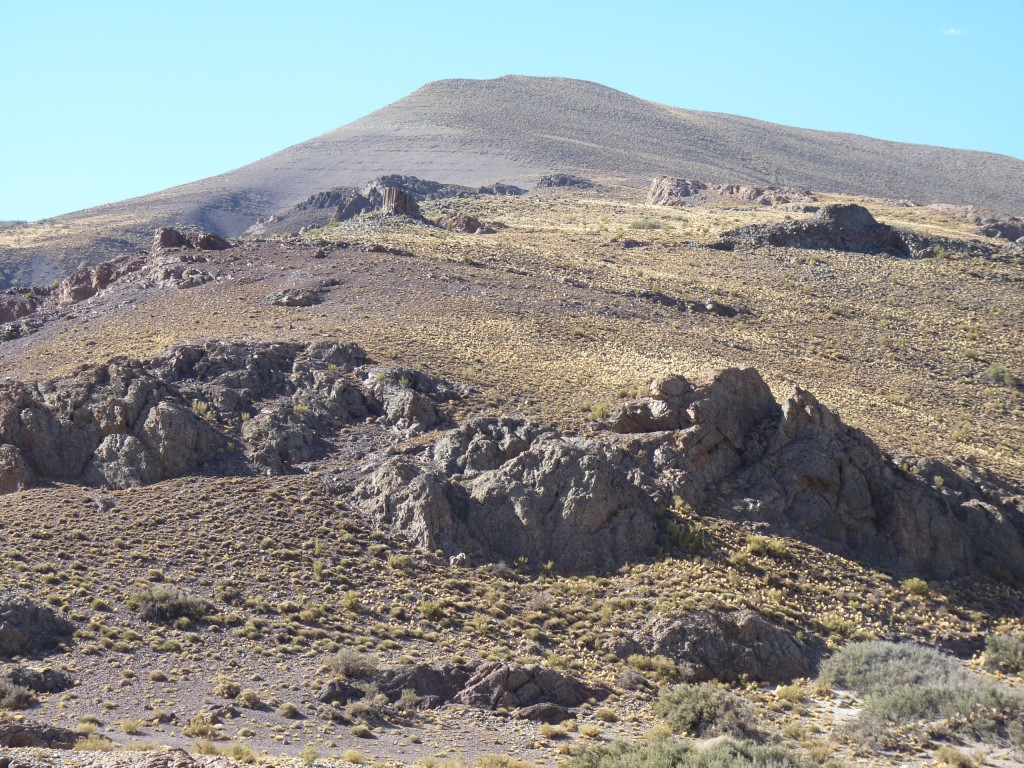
(987,222)
(169,237)
(19,734)
(131,422)
(511,490)
(728,646)
(46,680)
(666,190)
(398,202)
(834,227)
(296,297)
(26,627)
(537,692)
(557,180)
(464,222)
(510,685)
(180,276)
(734,452)
(501,189)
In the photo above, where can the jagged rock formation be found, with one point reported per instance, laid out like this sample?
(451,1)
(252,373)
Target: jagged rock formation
(504,488)
(398,202)
(168,238)
(734,452)
(132,422)
(26,627)
(666,190)
(45,680)
(834,227)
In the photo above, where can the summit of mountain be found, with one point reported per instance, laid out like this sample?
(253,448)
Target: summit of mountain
(516,129)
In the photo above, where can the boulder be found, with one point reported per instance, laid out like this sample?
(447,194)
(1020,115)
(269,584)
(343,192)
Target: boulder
(21,734)
(168,237)
(409,398)
(728,646)
(464,222)
(26,627)
(511,685)
(46,680)
(208,241)
(434,683)
(296,297)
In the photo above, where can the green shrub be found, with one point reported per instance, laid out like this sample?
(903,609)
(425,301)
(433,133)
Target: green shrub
(671,753)
(1000,375)
(913,692)
(706,709)
(167,604)
(915,586)
(1005,652)
(645,224)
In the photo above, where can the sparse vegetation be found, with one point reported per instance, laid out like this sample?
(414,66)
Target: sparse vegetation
(166,604)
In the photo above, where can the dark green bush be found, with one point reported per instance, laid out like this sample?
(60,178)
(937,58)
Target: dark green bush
(706,709)
(166,604)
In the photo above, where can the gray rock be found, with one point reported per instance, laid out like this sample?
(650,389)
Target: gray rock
(14,472)
(296,297)
(545,713)
(46,680)
(26,627)
(409,397)
(122,461)
(728,646)
(19,734)
(511,685)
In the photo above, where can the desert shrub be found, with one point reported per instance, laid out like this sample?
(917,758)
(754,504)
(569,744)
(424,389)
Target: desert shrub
(915,586)
(706,709)
(915,692)
(289,711)
(769,546)
(878,666)
(1005,652)
(167,604)
(645,224)
(660,667)
(500,761)
(671,753)
(352,665)
(999,375)
(249,699)
(15,696)
(226,688)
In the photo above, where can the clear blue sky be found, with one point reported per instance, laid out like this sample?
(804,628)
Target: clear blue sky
(108,100)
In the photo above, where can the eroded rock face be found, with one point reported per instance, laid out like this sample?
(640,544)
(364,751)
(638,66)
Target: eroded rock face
(26,627)
(398,202)
(666,190)
(555,180)
(728,646)
(464,222)
(834,227)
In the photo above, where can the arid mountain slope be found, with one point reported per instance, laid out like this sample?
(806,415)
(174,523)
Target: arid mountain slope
(514,129)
